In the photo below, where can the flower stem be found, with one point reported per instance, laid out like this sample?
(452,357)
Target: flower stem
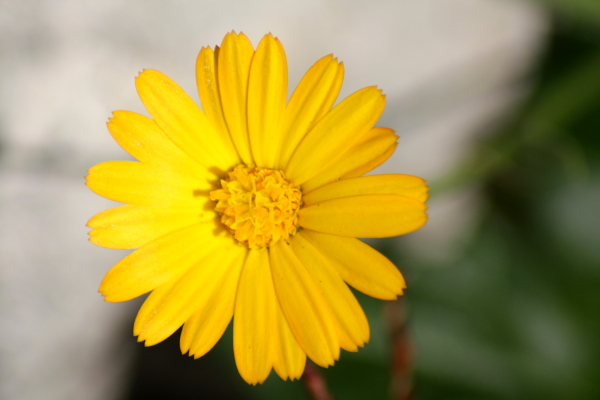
(315,383)
(402,351)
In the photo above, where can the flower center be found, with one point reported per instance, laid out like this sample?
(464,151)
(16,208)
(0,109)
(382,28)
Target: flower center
(258,205)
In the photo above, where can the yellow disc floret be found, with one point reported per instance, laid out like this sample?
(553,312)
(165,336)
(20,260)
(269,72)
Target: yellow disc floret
(258,205)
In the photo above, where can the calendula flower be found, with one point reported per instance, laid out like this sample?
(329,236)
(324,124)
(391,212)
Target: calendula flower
(251,208)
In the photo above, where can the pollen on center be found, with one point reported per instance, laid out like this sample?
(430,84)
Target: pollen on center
(258,205)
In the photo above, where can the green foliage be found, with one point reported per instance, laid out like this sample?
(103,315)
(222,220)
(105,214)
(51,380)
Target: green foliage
(516,316)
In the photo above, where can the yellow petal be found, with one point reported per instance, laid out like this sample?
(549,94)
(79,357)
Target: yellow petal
(160,261)
(290,360)
(374,216)
(144,140)
(130,227)
(267,95)
(403,185)
(304,307)
(208,88)
(234,61)
(183,121)
(372,164)
(360,157)
(206,326)
(146,185)
(255,318)
(315,95)
(335,133)
(351,321)
(361,266)
(165,310)
(261,335)
(145,313)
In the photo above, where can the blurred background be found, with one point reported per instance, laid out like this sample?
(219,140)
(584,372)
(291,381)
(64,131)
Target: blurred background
(497,103)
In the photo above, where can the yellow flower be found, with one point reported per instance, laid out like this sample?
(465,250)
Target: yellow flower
(251,208)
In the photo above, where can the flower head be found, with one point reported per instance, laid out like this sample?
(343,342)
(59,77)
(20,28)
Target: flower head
(250,209)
